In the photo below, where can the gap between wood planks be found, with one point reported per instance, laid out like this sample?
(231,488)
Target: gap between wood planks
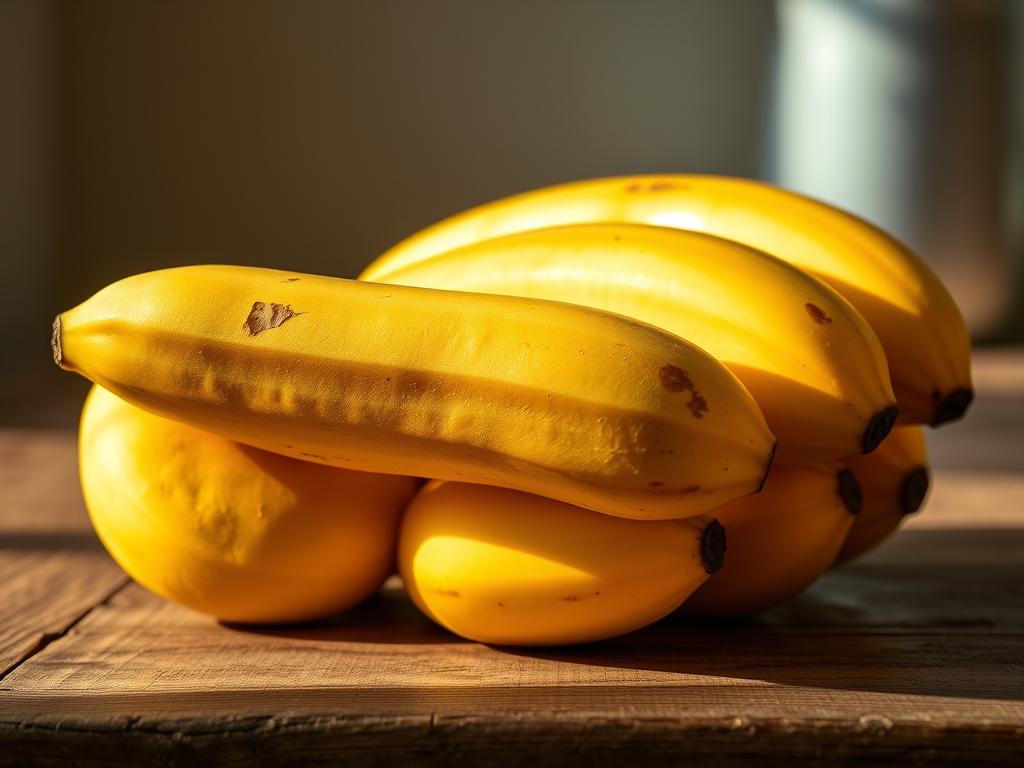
(46,638)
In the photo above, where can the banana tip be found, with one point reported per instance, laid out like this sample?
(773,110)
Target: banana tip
(849,491)
(712,546)
(55,346)
(953,406)
(878,428)
(913,490)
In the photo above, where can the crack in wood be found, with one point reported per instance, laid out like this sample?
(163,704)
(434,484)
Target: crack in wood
(48,638)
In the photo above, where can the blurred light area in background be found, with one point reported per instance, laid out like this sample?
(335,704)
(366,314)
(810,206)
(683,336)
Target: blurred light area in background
(138,134)
(897,110)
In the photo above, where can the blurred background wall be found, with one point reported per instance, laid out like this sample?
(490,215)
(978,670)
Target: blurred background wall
(139,134)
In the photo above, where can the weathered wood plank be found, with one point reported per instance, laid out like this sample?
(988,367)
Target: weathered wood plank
(44,594)
(538,738)
(904,631)
(52,568)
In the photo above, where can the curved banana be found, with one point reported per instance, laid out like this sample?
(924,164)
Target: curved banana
(583,406)
(230,530)
(810,360)
(894,482)
(499,566)
(780,541)
(913,314)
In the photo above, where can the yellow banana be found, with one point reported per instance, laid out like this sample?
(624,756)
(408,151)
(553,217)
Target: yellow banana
(913,314)
(810,360)
(230,530)
(583,406)
(499,566)
(894,482)
(780,541)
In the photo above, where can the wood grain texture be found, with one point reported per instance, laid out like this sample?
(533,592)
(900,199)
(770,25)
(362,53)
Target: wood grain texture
(52,568)
(912,656)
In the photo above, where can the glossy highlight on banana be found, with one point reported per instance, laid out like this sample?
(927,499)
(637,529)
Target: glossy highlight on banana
(509,568)
(812,363)
(916,319)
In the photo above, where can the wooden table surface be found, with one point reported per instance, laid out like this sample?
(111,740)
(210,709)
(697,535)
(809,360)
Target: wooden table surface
(914,655)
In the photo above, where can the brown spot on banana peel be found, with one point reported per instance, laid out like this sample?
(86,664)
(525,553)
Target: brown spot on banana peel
(660,490)
(577,598)
(266,315)
(675,379)
(849,491)
(817,314)
(913,490)
(448,592)
(712,546)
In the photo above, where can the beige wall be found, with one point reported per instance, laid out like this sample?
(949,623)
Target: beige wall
(28,194)
(312,135)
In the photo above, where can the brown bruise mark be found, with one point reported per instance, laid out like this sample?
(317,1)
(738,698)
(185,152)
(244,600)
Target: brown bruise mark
(697,405)
(656,484)
(448,592)
(316,456)
(267,315)
(290,280)
(501,605)
(570,598)
(675,379)
(685,491)
(263,316)
(817,314)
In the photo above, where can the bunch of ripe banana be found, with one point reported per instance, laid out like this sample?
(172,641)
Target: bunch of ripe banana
(630,396)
